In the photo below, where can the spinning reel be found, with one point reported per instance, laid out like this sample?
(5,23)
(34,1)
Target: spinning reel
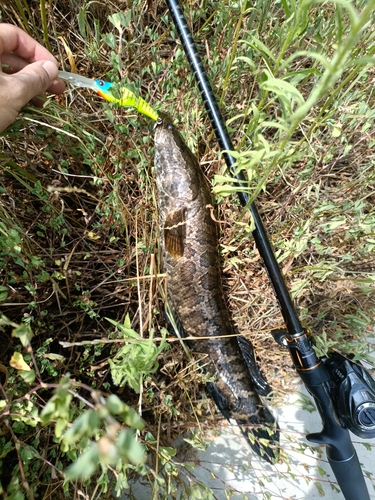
(350,386)
(352,390)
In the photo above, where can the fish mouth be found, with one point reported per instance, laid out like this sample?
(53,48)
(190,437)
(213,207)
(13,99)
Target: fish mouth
(164,120)
(158,122)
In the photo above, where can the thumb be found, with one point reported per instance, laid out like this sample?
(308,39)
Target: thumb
(32,80)
(19,88)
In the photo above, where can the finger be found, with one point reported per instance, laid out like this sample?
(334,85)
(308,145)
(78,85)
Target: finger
(13,63)
(16,64)
(32,80)
(57,87)
(17,90)
(13,39)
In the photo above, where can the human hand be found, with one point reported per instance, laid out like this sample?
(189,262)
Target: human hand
(29,70)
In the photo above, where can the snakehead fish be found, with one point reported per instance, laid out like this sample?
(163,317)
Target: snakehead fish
(189,243)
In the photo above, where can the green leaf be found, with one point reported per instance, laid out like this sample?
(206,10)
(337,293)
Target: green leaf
(60,427)
(321,471)
(17,362)
(121,482)
(125,328)
(81,18)
(17,495)
(28,453)
(248,61)
(57,406)
(334,223)
(336,130)
(86,424)
(257,45)
(48,411)
(109,39)
(53,356)
(166,453)
(197,442)
(224,178)
(149,438)
(27,376)
(24,333)
(36,261)
(319,487)
(129,416)
(85,465)
(226,190)
(130,448)
(136,358)
(115,405)
(120,20)
(3,293)
(283,89)
(368,446)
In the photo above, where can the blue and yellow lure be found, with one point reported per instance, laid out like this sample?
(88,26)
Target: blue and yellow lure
(127,98)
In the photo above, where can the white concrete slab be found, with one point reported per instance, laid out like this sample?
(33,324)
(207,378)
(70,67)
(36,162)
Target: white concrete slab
(229,467)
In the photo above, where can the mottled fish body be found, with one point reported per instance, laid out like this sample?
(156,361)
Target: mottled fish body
(189,243)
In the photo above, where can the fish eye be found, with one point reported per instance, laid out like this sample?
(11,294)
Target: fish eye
(169,126)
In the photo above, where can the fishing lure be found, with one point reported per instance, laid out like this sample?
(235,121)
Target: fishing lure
(103,88)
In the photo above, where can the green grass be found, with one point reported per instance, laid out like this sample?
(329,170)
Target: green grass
(79,232)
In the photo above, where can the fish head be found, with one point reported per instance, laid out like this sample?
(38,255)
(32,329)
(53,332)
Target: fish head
(178,174)
(166,134)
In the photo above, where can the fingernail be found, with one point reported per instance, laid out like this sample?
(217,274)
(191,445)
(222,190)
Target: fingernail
(51,69)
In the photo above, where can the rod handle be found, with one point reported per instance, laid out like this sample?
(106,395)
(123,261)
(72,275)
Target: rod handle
(350,478)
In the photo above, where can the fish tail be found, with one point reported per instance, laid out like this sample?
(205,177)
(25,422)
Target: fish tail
(262,434)
(259,428)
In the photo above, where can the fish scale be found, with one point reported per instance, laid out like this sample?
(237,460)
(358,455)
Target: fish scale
(189,244)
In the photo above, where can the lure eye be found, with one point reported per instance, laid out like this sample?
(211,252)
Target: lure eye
(101,83)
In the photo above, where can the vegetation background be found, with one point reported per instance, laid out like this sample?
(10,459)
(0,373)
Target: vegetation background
(83,351)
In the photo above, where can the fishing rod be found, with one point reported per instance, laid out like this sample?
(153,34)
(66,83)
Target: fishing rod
(343,391)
